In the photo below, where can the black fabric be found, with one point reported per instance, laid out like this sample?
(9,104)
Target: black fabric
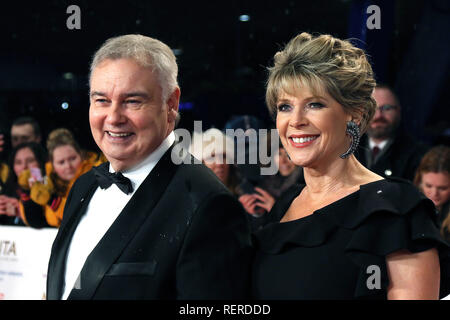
(399,159)
(328,254)
(105,179)
(188,240)
(34,214)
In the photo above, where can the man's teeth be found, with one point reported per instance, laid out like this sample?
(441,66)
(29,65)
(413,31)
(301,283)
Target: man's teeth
(303,140)
(119,134)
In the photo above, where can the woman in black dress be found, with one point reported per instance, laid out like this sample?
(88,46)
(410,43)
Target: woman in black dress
(347,233)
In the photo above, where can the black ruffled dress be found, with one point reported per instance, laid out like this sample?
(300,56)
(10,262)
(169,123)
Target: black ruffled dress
(339,251)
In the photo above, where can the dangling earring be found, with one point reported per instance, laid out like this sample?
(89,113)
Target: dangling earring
(353,132)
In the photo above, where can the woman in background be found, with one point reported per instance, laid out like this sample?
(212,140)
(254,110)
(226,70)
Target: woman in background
(67,163)
(26,156)
(213,147)
(433,178)
(272,187)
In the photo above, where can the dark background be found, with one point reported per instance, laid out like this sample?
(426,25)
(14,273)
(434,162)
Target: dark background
(222,61)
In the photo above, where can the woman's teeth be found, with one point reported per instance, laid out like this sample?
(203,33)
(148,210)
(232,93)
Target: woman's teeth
(303,140)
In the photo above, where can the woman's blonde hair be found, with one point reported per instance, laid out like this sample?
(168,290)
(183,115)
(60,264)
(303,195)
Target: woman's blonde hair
(436,160)
(57,138)
(324,63)
(61,137)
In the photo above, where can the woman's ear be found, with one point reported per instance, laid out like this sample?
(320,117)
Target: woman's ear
(356,117)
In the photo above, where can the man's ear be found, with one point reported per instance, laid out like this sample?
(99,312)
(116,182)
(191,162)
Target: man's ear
(172,104)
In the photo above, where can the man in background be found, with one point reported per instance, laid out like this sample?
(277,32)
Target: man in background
(25,129)
(385,149)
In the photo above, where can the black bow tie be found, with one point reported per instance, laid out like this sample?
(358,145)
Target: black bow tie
(105,179)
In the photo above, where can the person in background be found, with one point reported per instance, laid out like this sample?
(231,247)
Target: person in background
(48,196)
(385,149)
(25,129)
(23,158)
(326,237)
(216,148)
(4,168)
(433,179)
(272,187)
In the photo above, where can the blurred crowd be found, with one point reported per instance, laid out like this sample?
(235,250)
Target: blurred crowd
(35,180)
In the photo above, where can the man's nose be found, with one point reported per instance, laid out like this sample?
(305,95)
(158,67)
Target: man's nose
(378,112)
(115,114)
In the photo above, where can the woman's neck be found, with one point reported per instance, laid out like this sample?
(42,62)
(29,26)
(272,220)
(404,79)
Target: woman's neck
(340,175)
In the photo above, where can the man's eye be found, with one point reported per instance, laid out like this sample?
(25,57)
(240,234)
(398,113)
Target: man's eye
(284,107)
(133,101)
(100,100)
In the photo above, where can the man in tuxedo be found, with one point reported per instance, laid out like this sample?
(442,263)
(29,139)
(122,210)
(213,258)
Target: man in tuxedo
(385,149)
(139,226)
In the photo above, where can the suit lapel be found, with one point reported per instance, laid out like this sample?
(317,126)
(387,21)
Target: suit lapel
(57,263)
(124,227)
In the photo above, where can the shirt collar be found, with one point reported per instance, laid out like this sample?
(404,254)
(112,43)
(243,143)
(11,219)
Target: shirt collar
(139,172)
(380,145)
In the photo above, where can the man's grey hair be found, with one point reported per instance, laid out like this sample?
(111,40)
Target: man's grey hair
(147,52)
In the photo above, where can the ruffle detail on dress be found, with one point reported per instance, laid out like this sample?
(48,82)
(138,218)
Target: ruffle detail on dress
(277,237)
(401,219)
(389,215)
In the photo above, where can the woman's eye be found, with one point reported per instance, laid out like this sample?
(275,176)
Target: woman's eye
(283,107)
(315,105)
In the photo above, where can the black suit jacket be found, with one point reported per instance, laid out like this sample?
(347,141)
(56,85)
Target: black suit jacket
(181,236)
(398,159)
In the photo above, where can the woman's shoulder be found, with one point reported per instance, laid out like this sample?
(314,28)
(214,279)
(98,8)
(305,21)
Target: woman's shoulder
(378,208)
(385,198)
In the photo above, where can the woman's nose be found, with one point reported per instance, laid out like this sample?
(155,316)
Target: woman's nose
(298,118)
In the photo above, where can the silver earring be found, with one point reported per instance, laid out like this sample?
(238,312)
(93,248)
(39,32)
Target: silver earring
(353,132)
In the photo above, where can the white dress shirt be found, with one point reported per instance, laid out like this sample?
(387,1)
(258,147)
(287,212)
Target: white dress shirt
(103,209)
(381,145)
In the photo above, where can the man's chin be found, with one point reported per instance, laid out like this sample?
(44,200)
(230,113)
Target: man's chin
(379,133)
(120,162)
